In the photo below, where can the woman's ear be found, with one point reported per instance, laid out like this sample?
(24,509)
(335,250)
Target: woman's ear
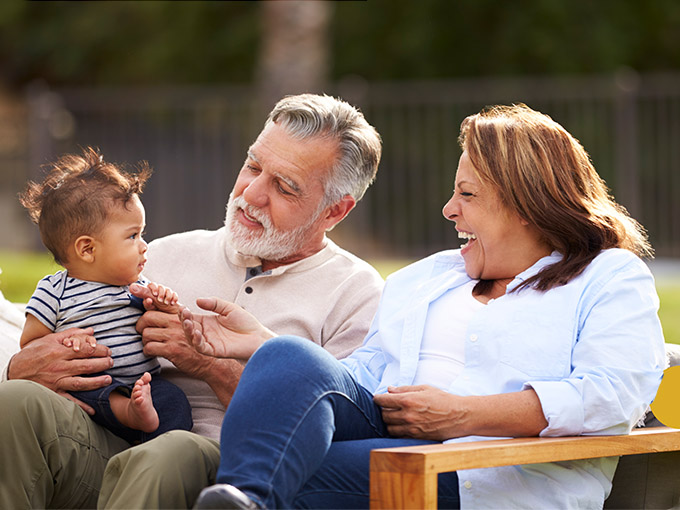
(84,248)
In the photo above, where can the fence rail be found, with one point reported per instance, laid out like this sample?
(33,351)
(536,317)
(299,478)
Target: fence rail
(196,139)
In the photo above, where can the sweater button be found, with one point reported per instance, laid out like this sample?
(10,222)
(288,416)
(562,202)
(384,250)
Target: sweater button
(249,290)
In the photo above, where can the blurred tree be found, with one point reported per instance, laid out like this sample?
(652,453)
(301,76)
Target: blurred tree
(99,43)
(294,52)
(428,39)
(88,43)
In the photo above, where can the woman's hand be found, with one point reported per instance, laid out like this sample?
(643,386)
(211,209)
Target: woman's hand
(232,333)
(425,412)
(421,412)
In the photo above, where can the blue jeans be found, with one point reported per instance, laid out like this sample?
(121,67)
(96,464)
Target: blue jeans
(299,430)
(170,402)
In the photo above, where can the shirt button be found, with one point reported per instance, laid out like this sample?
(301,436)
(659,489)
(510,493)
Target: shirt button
(473,338)
(249,290)
(253,271)
(467,484)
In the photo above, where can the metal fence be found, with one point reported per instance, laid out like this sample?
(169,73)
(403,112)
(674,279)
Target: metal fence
(196,139)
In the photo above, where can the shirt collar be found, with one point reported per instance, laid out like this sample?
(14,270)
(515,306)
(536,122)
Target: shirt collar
(548,260)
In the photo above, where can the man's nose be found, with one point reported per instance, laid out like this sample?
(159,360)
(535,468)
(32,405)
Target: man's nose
(255,193)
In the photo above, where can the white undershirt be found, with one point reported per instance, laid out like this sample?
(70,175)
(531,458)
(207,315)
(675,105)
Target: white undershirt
(442,352)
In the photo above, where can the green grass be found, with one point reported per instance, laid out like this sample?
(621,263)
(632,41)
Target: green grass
(21,272)
(669,312)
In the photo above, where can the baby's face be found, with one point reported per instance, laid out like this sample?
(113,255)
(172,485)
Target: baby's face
(120,250)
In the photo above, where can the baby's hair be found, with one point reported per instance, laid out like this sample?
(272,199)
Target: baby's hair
(76,196)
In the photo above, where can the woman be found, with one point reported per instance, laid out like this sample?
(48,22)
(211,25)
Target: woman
(543,323)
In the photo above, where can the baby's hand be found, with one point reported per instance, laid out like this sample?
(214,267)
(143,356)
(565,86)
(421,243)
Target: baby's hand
(162,298)
(78,341)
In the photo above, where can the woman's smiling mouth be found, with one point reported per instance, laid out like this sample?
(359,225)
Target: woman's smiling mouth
(466,235)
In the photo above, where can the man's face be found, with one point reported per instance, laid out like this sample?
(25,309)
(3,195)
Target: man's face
(274,210)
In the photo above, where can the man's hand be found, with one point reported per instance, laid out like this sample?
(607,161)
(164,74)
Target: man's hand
(162,335)
(232,333)
(59,367)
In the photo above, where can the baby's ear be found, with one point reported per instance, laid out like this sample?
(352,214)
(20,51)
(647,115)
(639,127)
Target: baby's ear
(84,248)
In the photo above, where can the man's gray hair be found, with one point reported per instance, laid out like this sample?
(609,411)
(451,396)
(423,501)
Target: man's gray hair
(310,115)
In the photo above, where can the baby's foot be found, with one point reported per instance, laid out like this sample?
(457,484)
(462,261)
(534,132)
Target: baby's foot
(141,413)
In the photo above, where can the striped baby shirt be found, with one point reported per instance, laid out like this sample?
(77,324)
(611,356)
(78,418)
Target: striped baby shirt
(61,302)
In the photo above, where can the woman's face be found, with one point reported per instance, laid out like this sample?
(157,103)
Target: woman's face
(500,243)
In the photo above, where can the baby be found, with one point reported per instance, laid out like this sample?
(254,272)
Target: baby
(92,221)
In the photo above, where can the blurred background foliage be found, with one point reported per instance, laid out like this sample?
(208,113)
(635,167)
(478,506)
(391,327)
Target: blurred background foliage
(93,43)
(155,45)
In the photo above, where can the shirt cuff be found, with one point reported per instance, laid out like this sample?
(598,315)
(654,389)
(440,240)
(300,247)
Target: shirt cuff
(562,407)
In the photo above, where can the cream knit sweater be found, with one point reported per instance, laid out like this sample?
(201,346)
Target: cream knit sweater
(329,298)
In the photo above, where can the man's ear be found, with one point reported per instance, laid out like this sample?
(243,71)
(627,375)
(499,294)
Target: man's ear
(84,248)
(337,212)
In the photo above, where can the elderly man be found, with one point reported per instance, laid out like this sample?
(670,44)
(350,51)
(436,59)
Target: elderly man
(312,162)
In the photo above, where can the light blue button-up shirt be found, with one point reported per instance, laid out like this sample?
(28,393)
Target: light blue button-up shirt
(593,351)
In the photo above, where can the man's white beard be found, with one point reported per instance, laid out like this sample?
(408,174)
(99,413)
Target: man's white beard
(269,244)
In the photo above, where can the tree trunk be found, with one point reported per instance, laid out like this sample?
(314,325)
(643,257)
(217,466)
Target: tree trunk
(294,48)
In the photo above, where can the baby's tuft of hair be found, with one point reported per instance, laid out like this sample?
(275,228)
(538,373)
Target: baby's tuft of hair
(76,195)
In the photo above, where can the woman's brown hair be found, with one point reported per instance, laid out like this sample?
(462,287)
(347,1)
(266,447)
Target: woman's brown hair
(543,174)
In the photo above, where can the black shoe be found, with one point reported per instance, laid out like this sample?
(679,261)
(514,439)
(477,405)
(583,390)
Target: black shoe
(224,496)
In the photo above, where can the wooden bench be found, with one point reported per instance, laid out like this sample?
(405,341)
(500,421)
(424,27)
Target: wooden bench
(407,477)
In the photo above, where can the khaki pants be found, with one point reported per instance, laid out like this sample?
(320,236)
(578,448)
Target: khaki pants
(52,455)
(166,472)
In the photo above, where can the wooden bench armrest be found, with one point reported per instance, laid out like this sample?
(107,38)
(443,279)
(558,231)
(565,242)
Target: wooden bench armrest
(407,477)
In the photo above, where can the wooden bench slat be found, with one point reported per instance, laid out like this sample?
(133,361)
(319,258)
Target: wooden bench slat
(406,477)
(526,450)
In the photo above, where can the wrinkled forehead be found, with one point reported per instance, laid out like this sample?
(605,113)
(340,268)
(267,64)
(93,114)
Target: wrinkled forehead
(298,158)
